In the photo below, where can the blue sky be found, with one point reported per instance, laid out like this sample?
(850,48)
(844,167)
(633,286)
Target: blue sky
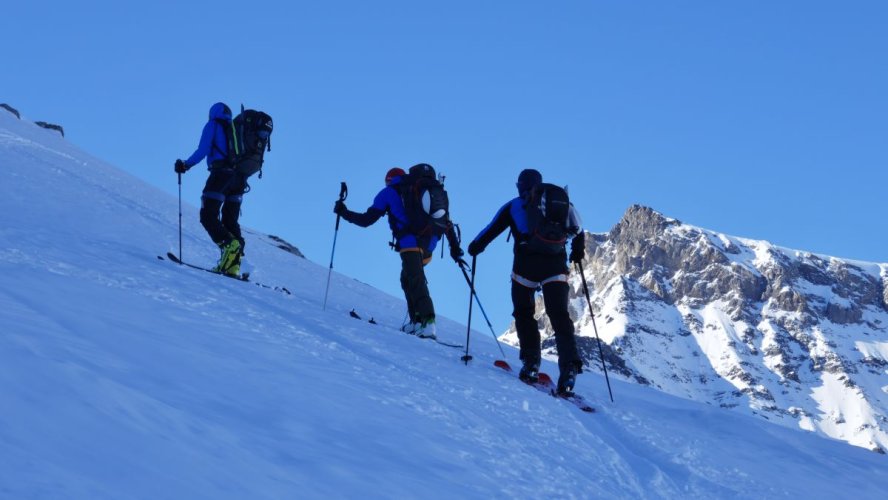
(759,119)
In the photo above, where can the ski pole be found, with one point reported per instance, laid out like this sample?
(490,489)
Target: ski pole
(595,328)
(343,194)
(471,284)
(180,216)
(468,358)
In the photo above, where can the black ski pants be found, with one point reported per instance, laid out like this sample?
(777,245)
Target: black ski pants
(416,288)
(223,193)
(555,297)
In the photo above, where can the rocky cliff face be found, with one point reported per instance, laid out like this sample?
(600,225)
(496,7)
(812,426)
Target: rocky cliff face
(796,338)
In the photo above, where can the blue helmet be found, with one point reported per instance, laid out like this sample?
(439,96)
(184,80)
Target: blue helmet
(220,111)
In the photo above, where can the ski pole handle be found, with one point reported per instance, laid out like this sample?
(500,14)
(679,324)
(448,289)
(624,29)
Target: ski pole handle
(343,194)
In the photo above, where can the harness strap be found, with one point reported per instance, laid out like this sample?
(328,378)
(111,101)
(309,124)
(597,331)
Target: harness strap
(213,195)
(521,280)
(425,260)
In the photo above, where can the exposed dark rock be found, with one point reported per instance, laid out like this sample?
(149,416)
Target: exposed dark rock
(843,315)
(12,110)
(286,246)
(51,126)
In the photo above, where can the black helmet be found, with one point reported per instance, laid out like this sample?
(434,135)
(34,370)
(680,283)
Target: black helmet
(527,180)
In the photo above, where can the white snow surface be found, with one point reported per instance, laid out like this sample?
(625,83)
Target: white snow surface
(125,376)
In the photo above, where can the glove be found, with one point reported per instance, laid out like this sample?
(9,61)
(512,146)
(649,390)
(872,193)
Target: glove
(181,167)
(339,208)
(577,250)
(456,253)
(475,248)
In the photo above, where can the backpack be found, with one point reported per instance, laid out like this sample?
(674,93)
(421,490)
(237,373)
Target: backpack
(425,201)
(249,136)
(548,211)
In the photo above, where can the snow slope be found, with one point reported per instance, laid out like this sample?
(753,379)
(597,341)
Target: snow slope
(125,376)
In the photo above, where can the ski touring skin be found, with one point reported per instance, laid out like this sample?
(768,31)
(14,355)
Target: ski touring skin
(243,277)
(546,385)
(372,321)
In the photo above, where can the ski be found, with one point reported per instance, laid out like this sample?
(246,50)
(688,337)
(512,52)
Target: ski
(177,260)
(546,385)
(244,277)
(455,346)
(372,321)
(573,398)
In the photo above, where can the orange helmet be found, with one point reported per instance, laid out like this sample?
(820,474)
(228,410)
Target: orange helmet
(392,173)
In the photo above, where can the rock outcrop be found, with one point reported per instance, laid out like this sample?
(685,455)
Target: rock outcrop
(796,338)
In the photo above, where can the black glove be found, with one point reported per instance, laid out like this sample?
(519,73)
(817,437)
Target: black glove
(456,253)
(181,167)
(339,208)
(475,248)
(578,250)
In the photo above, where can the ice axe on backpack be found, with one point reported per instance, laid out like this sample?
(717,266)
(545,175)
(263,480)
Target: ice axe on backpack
(343,194)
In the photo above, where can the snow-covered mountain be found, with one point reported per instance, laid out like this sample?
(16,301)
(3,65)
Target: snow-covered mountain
(126,376)
(792,337)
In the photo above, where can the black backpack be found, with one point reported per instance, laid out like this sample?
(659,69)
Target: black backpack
(548,211)
(248,139)
(425,201)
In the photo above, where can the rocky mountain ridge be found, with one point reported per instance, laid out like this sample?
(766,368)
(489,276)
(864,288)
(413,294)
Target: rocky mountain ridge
(796,338)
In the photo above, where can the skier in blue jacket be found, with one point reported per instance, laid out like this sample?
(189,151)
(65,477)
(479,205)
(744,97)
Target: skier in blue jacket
(415,251)
(532,271)
(224,190)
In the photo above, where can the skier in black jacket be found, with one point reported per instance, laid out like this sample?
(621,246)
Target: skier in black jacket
(532,271)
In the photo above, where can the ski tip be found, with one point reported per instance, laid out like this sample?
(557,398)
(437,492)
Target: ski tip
(160,258)
(545,379)
(502,364)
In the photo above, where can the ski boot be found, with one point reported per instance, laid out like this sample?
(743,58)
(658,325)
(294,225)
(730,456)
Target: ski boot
(229,262)
(411,328)
(530,372)
(427,329)
(567,379)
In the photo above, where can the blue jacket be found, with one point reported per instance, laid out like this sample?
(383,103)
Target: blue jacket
(213,141)
(388,201)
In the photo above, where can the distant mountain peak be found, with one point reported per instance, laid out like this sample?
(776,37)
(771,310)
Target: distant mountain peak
(640,222)
(739,323)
